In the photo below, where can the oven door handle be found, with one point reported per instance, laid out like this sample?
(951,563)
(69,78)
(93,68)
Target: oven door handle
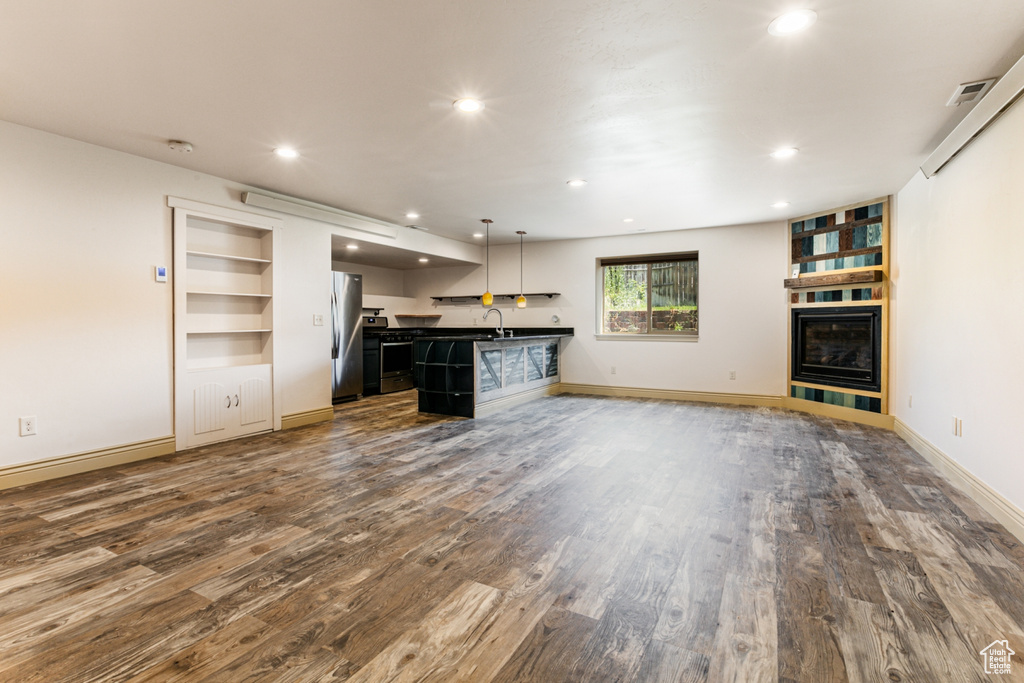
(408,343)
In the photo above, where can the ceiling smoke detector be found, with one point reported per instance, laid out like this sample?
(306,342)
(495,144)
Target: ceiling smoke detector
(970,92)
(180,145)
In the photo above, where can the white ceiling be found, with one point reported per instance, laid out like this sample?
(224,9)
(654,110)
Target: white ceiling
(668,108)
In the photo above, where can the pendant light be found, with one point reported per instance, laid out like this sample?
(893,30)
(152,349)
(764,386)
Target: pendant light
(487,299)
(521,300)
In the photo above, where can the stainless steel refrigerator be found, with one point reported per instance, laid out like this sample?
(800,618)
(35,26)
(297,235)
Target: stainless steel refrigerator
(347,344)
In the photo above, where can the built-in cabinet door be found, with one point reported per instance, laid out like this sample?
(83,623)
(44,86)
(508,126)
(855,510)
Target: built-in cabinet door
(230,402)
(255,404)
(210,404)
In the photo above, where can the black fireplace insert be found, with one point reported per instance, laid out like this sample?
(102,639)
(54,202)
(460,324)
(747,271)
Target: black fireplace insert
(838,346)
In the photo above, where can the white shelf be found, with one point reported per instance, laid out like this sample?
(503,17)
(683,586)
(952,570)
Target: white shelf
(227,257)
(245,294)
(260,331)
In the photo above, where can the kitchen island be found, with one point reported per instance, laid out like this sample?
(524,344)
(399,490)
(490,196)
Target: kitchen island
(473,375)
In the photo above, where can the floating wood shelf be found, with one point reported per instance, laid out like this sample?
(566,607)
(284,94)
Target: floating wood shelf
(477,297)
(417,315)
(835,279)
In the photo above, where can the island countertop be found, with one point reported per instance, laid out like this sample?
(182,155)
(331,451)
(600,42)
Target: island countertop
(520,334)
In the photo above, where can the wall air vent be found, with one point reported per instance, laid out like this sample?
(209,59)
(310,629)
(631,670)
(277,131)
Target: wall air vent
(1000,97)
(970,92)
(418,227)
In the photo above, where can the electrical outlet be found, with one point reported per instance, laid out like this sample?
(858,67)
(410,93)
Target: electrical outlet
(318,319)
(27,425)
(613,369)
(732,374)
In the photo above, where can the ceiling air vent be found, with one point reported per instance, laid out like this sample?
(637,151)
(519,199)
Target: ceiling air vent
(970,92)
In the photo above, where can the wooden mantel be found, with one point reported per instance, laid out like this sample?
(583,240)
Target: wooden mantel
(835,279)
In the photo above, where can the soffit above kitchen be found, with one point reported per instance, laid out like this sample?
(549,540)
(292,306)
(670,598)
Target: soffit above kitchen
(669,110)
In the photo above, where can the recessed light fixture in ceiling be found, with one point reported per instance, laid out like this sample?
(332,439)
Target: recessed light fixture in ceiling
(286,152)
(351,246)
(576,182)
(627,220)
(784,153)
(780,205)
(478,235)
(792,22)
(424,260)
(412,214)
(468,105)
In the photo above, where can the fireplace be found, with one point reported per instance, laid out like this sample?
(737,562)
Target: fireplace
(838,346)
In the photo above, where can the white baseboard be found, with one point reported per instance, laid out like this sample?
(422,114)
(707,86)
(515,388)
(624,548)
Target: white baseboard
(1008,514)
(307,417)
(54,468)
(673,395)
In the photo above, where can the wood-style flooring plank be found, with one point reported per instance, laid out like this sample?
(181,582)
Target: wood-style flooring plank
(574,538)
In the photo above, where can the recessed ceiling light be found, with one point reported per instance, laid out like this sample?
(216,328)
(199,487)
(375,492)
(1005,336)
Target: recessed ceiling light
(468,105)
(780,205)
(792,22)
(352,246)
(478,235)
(424,260)
(576,182)
(627,220)
(784,153)
(412,214)
(286,152)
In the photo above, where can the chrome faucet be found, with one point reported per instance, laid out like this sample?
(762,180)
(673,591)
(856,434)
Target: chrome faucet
(501,325)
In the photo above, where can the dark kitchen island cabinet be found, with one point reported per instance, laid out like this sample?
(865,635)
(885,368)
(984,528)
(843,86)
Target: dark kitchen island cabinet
(473,376)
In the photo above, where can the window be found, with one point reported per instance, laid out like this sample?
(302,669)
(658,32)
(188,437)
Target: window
(650,294)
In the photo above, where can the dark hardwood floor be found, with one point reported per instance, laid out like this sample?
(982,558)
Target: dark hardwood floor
(571,539)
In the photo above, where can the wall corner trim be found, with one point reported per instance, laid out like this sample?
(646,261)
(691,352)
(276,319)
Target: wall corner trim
(307,417)
(673,395)
(1005,512)
(62,466)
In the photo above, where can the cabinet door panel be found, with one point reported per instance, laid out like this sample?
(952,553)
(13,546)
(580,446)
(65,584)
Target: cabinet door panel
(209,403)
(255,402)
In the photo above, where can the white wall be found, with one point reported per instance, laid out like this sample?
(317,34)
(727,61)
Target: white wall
(742,307)
(86,333)
(376,281)
(958,297)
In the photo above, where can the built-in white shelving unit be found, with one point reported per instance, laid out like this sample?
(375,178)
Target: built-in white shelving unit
(224,323)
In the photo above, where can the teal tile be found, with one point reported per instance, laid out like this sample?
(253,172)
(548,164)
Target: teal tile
(875,210)
(847,295)
(874,235)
(849,400)
(860,237)
(831,242)
(848,262)
(798,226)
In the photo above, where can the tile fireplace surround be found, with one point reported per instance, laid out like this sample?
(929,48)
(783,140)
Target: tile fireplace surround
(840,268)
